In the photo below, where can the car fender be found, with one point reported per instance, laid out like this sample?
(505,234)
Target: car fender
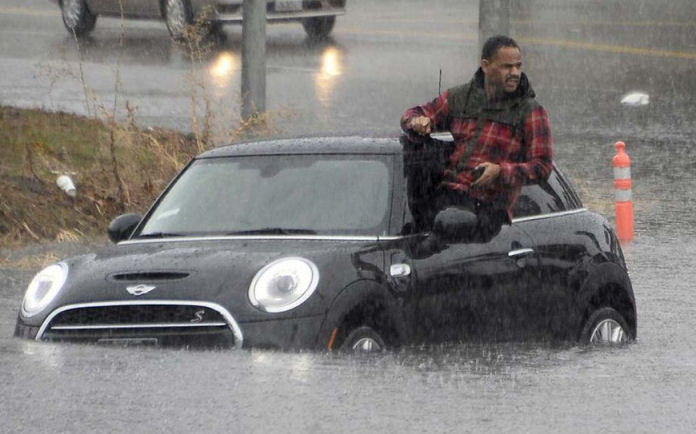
(608,283)
(361,292)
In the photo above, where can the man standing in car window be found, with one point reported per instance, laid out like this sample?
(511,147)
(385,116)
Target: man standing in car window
(502,136)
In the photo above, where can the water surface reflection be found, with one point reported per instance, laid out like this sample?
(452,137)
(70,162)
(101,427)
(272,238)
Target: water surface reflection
(326,78)
(224,68)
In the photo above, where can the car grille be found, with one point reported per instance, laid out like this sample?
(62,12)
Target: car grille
(162,323)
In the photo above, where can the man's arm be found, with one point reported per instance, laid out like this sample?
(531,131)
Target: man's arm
(538,159)
(424,119)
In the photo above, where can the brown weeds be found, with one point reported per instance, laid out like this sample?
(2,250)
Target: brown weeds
(33,208)
(29,262)
(116,165)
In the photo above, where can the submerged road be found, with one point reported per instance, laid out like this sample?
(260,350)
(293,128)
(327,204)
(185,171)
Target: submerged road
(581,57)
(383,56)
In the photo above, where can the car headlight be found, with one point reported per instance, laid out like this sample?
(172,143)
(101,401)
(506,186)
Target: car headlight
(283,284)
(44,288)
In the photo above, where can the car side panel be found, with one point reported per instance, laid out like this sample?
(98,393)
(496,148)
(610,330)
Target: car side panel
(359,295)
(472,291)
(103,7)
(214,10)
(569,246)
(130,8)
(231,10)
(609,285)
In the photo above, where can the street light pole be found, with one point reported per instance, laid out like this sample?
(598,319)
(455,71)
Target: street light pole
(494,19)
(253,58)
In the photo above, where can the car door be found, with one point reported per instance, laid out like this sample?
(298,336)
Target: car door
(107,7)
(131,8)
(471,291)
(551,214)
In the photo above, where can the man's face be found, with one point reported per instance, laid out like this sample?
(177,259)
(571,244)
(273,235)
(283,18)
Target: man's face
(503,70)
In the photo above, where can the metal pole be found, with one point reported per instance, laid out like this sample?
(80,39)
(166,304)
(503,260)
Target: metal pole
(253,58)
(494,19)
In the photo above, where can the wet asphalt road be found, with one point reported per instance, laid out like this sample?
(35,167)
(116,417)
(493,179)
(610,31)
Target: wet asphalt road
(582,57)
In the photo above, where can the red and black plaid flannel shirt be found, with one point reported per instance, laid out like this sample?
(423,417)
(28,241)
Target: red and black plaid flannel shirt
(521,162)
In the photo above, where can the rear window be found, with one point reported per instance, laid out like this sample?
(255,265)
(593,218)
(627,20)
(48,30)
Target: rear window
(544,198)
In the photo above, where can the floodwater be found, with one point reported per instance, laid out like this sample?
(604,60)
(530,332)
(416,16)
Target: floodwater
(647,386)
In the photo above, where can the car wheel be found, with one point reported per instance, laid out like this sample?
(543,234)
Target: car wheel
(605,326)
(363,339)
(76,17)
(319,27)
(177,15)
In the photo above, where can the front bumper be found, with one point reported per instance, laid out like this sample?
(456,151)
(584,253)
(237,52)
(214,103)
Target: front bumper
(25,331)
(169,323)
(286,334)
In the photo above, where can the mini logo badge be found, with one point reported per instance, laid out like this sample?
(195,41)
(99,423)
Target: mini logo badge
(139,289)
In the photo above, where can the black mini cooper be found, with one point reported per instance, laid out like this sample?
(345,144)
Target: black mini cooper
(316,244)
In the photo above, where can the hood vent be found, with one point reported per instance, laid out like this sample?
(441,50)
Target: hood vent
(149,276)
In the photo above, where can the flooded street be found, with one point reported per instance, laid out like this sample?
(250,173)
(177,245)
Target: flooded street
(648,386)
(581,60)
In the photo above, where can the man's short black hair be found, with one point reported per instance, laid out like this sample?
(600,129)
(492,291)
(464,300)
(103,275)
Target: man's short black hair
(494,43)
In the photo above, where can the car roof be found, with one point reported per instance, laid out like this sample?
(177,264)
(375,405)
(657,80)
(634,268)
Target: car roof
(310,145)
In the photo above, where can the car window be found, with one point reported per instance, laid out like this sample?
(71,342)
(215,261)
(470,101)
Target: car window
(313,194)
(569,196)
(542,198)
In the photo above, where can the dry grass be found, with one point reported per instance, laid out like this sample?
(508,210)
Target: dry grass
(29,262)
(36,147)
(116,166)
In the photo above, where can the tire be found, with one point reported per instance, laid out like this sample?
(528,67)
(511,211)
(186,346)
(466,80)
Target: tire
(361,340)
(77,18)
(177,15)
(605,326)
(319,28)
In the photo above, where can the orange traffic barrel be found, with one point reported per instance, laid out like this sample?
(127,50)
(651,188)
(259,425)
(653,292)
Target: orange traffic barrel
(622,193)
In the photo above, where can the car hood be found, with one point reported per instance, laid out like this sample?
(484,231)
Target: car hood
(217,271)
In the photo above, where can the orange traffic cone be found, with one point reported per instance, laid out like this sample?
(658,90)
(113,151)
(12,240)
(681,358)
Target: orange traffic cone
(622,193)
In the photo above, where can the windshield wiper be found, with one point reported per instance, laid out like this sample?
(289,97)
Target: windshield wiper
(274,231)
(160,235)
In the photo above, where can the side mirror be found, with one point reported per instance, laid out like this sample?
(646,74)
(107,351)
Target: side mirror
(122,226)
(451,225)
(455,224)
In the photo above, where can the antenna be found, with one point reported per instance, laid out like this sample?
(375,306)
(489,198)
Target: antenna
(439,84)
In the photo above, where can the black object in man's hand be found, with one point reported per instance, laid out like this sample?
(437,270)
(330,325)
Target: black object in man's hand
(478,172)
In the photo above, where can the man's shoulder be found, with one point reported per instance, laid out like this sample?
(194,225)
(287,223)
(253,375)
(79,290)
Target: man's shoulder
(529,104)
(461,89)
(458,98)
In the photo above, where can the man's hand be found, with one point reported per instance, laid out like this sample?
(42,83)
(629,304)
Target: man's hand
(490,173)
(421,125)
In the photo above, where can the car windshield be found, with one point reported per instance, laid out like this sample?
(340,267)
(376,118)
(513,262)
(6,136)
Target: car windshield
(276,195)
